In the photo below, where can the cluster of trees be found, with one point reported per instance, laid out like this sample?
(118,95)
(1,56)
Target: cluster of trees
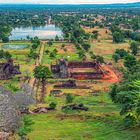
(71,28)
(5,31)
(127,93)
(121,53)
(96,57)
(134,48)
(52,54)
(35,44)
(22,16)
(116,34)
(12,18)
(5,55)
(119,34)
(74,33)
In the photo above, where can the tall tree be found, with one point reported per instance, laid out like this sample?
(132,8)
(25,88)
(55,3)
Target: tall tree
(118,37)
(130,61)
(42,73)
(134,48)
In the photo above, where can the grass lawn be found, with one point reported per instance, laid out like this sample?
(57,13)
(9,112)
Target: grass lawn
(101,122)
(106,48)
(104,45)
(70,54)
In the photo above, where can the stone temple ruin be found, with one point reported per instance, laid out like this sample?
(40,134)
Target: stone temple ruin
(78,70)
(60,70)
(8,69)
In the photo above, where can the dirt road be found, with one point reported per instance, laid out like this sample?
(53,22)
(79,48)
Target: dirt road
(38,61)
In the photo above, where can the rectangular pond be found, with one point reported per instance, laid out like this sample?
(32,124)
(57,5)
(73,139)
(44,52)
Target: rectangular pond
(15,46)
(43,32)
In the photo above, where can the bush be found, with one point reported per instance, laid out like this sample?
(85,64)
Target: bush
(5,39)
(116,57)
(69,98)
(67,110)
(121,52)
(100,59)
(52,105)
(35,45)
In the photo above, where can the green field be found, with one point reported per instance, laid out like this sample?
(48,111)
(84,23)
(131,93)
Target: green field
(70,54)
(101,122)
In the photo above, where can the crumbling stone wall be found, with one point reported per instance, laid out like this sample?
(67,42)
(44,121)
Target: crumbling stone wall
(7,70)
(60,70)
(12,105)
(24,97)
(9,112)
(63,70)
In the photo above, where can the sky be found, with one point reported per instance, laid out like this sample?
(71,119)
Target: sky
(67,1)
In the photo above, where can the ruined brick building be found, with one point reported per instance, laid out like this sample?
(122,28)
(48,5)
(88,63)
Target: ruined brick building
(8,69)
(78,70)
(60,70)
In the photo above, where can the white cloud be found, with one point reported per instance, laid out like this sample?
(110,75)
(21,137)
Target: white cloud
(68,1)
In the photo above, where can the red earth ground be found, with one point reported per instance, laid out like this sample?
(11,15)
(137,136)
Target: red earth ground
(110,76)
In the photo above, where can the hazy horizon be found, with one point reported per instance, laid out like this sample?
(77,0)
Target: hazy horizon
(66,1)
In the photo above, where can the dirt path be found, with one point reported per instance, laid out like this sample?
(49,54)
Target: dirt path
(38,62)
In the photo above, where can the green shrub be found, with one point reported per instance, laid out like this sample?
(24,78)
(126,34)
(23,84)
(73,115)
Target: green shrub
(69,98)
(52,105)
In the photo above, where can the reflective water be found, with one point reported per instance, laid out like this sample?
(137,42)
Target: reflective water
(15,46)
(43,32)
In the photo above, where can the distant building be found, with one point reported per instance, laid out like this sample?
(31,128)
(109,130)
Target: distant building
(137,31)
(35,17)
(8,69)
(125,26)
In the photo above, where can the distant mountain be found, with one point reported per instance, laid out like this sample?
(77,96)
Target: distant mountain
(120,5)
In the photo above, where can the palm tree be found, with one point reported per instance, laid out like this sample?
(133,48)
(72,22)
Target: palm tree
(42,73)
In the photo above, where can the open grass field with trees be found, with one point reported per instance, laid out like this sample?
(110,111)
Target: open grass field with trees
(84,85)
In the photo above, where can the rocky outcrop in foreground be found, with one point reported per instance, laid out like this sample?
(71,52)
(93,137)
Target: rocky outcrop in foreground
(9,111)
(12,105)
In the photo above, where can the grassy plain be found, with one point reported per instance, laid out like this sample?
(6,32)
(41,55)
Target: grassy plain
(101,122)
(69,54)
(104,45)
